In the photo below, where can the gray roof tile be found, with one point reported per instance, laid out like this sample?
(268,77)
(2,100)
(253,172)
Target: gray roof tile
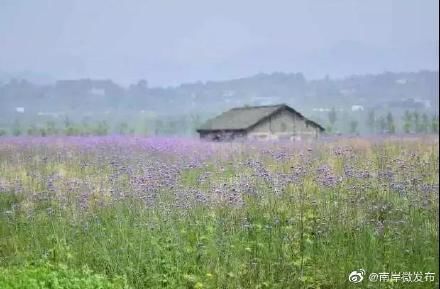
(242,118)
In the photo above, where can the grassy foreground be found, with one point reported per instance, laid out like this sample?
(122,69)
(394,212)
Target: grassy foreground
(173,213)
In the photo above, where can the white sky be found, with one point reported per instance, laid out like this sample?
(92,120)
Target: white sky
(170,42)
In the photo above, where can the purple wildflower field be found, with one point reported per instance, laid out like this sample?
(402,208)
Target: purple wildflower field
(181,213)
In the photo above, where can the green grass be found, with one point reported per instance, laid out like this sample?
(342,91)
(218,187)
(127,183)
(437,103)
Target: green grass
(307,236)
(45,276)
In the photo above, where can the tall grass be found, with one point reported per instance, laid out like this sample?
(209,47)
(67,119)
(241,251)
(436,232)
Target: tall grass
(183,214)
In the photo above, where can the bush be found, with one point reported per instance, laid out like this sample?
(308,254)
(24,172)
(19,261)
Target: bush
(55,277)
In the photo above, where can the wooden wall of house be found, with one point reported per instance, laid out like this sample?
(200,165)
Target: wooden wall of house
(284,125)
(222,135)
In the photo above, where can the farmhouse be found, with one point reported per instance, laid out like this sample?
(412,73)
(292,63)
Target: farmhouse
(271,122)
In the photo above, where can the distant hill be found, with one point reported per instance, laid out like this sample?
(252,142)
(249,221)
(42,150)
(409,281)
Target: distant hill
(391,91)
(37,78)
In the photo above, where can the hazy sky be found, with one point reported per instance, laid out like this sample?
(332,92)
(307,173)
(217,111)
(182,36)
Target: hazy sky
(169,42)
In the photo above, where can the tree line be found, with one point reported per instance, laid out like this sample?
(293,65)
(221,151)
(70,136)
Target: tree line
(337,123)
(183,125)
(385,123)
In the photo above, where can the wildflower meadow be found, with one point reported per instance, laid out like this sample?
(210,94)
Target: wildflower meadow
(134,212)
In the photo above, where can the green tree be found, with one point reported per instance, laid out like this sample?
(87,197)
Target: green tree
(16,128)
(416,122)
(390,127)
(353,126)
(424,125)
(407,122)
(158,126)
(32,130)
(101,128)
(123,128)
(329,129)
(382,124)
(371,120)
(145,127)
(51,128)
(434,124)
(332,116)
(71,130)
(86,127)
(67,122)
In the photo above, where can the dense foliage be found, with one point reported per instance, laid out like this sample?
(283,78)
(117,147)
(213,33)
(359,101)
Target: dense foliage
(46,276)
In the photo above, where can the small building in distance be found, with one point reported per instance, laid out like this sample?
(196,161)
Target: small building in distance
(271,122)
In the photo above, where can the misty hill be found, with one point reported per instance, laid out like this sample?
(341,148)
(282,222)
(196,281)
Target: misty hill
(106,100)
(103,95)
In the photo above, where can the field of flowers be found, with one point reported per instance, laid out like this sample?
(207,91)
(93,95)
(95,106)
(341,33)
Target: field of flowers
(179,213)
